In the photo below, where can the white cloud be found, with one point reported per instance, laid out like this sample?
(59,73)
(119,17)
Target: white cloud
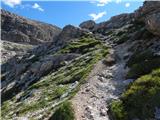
(118,1)
(103,2)
(97,16)
(38,7)
(127,4)
(12,3)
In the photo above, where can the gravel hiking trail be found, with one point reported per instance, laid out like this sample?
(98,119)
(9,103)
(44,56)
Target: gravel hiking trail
(104,84)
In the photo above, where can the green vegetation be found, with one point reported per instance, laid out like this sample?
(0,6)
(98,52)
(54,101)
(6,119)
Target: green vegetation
(122,38)
(142,63)
(82,46)
(118,112)
(139,56)
(64,112)
(118,36)
(140,99)
(46,92)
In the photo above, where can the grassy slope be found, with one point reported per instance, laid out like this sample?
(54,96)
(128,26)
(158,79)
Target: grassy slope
(53,87)
(140,99)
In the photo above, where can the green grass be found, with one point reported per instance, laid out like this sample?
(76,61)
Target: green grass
(140,99)
(64,112)
(81,46)
(55,84)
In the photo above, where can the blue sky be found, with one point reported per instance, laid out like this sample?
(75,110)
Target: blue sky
(65,12)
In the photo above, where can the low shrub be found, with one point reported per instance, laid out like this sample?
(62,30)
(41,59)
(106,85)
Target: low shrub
(140,99)
(64,112)
(118,112)
(140,57)
(143,68)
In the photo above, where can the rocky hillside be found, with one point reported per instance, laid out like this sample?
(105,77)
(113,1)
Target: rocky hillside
(105,71)
(26,33)
(21,30)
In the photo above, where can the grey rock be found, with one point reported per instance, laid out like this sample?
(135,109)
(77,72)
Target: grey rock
(103,112)
(109,61)
(89,25)
(68,33)
(153,23)
(157,113)
(115,22)
(149,14)
(46,66)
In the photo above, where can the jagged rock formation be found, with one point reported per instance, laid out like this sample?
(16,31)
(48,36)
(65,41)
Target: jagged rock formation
(36,83)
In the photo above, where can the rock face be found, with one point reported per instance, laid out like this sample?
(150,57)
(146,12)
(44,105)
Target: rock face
(19,29)
(115,22)
(149,13)
(28,72)
(68,33)
(89,25)
(10,49)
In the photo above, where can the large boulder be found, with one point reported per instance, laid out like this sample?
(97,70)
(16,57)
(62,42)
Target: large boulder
(153,23)
(68,33)
(149,14)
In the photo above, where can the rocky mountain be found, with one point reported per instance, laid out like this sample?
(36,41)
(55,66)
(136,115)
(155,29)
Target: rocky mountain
(21,30)
(26,33)
(105,71)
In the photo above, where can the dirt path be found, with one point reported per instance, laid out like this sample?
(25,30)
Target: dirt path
(104,84)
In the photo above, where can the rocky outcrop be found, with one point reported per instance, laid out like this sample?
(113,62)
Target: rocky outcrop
(21,30)
(153,24)
(26,73)
(115,22)
(89,25)
(149,13)
(68,33)
(11,49)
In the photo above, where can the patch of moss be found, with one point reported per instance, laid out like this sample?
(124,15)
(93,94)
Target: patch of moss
(140,99)
(64,112)
(81,46)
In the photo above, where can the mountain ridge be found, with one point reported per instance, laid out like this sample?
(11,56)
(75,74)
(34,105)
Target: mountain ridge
(101,65)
